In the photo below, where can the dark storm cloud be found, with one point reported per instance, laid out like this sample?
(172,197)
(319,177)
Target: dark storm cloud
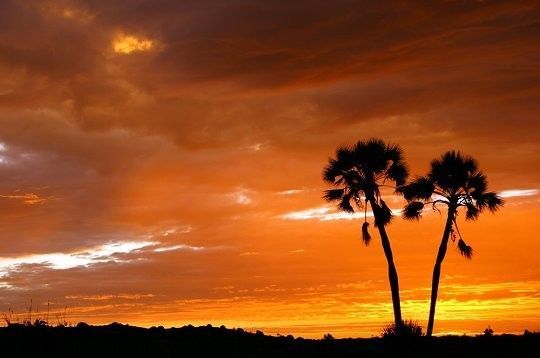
(216,66)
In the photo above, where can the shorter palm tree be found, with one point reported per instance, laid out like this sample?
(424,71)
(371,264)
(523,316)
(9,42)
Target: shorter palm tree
(455,182)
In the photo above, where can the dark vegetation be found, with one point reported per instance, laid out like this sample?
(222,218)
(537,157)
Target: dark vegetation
(405,329)
(116,340)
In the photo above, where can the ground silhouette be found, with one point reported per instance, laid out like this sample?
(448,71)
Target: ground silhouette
(117,340)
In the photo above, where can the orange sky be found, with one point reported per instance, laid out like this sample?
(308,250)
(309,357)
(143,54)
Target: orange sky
(160,161)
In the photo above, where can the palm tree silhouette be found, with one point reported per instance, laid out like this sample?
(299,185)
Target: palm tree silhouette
(358,172)
(454,181)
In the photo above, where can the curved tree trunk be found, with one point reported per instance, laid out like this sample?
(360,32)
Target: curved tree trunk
(437,269)
(392,272)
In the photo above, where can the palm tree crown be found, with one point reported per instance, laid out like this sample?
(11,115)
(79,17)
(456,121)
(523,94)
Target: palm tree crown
(359,171)
(454,180)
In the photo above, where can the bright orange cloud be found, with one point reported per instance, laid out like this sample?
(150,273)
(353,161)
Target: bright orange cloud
(127,44)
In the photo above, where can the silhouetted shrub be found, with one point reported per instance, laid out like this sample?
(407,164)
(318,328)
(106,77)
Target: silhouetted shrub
(405,329)
(488,332)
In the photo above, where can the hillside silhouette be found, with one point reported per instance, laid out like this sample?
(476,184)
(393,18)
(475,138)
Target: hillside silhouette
(117,340)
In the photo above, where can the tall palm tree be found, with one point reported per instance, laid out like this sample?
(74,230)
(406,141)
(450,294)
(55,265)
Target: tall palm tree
(358,172)
(453,181)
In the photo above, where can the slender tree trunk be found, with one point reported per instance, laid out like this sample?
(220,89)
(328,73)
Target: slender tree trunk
(437,269)
(392,272)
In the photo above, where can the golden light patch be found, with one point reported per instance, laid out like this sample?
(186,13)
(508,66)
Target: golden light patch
(127,44)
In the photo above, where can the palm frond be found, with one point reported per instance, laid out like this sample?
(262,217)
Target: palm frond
(397,170)
(472,212)
(359,151)
(375,159)
(331,172)
(345,204)
(420,188)
(478,184)
(490,200)
(394,153)
(452,170)
(333,194)
(470,164)
(339,166)
(413,210)
(344,155)
(366,237)
(464,249)
(398,173)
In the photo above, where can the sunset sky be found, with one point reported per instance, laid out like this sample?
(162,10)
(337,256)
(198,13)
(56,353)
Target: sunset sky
(160,161)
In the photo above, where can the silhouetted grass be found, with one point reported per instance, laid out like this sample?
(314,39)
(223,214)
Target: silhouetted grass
(406,329)
(116,340)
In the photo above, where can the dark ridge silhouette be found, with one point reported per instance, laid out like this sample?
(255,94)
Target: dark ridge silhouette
(117,340)
(358,172)
(453,181)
